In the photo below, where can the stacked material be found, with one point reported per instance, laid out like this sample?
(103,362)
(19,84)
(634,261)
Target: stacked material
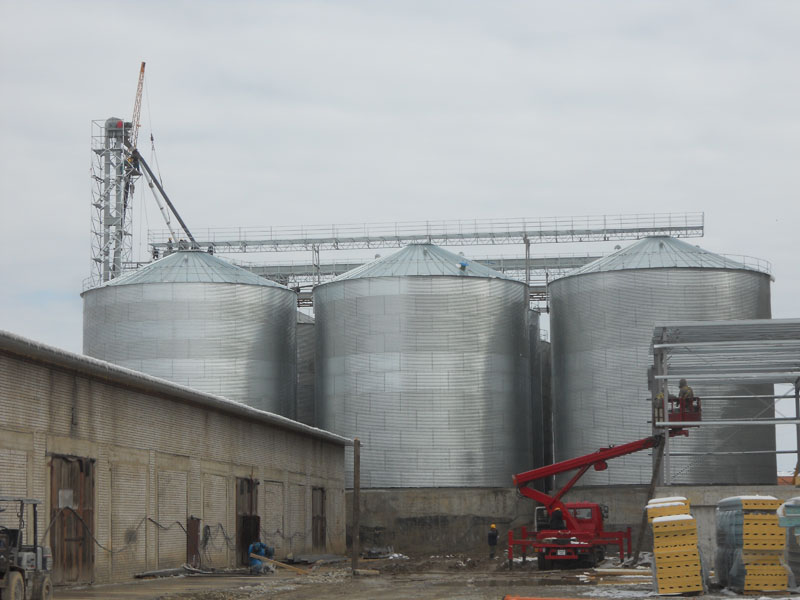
(666,507)
(676,565)
(789,518)
(750,545)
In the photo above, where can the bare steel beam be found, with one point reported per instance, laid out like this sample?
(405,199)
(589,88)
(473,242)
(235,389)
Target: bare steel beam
(734,452)
(764,377)
(723,422)
(305,272)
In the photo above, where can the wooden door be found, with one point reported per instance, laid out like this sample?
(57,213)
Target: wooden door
(193,542)
(318,523)
(72,508)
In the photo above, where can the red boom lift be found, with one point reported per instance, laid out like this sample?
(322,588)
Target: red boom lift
(580,539)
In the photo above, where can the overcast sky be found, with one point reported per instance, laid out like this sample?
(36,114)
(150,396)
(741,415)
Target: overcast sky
(288,113)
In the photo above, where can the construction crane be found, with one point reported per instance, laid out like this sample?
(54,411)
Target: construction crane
(137,109)
(135,160)
(131,172)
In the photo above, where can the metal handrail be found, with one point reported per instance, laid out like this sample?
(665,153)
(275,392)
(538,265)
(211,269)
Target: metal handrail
(608,226)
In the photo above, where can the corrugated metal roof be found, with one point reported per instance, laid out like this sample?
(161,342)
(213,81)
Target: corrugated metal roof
(421,260)
(660,252)
(191,266)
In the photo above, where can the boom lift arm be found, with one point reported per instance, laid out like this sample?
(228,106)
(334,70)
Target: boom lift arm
(582,464)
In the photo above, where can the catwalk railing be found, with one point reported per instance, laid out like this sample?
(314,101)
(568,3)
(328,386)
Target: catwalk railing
(460,232)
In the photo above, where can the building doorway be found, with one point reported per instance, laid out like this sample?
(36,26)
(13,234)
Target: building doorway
(193,542)
(248,523)
(318,524)
(72,512)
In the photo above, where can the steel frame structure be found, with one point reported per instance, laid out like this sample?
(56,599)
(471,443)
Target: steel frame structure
(111,171)
(305,273)
(765,351)
(445,233)
(461,232)
(536,271)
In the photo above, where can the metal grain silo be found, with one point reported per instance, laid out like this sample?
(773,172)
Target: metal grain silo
(424,356)
(197,320)
(306,412)
(602,319)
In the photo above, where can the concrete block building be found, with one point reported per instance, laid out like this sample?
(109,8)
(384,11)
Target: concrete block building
(137,473)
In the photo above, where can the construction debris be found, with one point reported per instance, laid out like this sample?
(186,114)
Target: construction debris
(280,564)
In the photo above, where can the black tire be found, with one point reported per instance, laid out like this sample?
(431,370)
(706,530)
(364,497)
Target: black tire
(15,590)
(595,558)
(47,589)
(543,563)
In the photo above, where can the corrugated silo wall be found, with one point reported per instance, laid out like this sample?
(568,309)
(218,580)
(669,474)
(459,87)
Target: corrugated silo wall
(543,407)
(236,341)
(537,423)
(431,373)
(601,331)
(306,412)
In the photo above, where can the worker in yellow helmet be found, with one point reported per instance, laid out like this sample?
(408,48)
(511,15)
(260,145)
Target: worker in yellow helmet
(492,539)
(685,390)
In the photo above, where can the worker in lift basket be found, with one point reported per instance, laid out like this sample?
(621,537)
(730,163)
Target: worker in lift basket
(492,539)
(685,390)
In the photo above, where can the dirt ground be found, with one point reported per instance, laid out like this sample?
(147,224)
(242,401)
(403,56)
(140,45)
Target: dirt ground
(427,578)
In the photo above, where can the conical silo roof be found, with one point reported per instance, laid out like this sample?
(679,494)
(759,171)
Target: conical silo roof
(421,260)
(660,252)
(191,266)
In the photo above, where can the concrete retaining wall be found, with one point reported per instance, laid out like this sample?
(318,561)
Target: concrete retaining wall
(448,520)
(437,521)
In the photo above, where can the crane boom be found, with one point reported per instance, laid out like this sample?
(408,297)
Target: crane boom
(137,108)
(131,173)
